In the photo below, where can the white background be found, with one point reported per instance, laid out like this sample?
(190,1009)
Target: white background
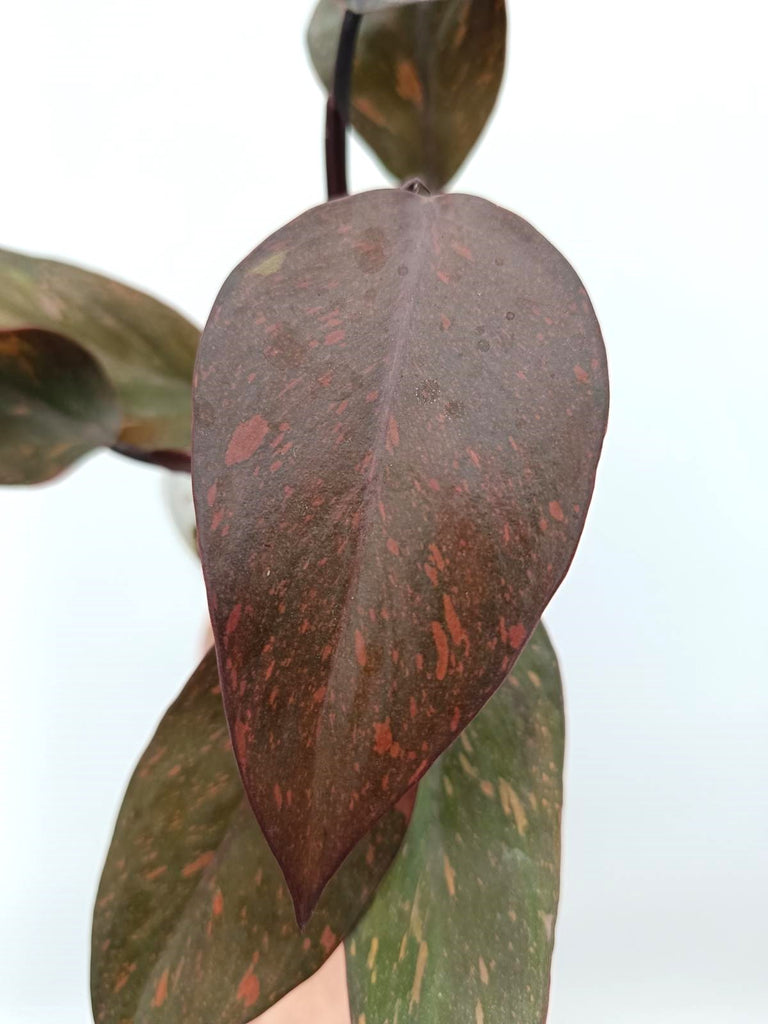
(159,142)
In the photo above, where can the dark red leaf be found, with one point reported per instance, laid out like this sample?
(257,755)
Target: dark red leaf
(399,407)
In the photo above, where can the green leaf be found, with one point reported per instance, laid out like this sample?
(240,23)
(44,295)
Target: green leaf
(462,927)
(193,923)
(55,405)
(399,408)
(146,350)
(424,82)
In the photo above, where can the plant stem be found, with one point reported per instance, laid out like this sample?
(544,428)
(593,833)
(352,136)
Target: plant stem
(177,461)
(337,110)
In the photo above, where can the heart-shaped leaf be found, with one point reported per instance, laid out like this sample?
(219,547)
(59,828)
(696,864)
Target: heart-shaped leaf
(146,350)
(400,402)
(424,81)
(193,924)
(55,405)
(462,927)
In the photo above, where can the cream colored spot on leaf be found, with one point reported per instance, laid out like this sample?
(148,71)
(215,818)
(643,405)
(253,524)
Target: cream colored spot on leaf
(511,804)
(450,875)
(421,964)
(548,921)
(468,767)
(270,265)
(479,1015)
(447,786)
(372,952)
(483,971)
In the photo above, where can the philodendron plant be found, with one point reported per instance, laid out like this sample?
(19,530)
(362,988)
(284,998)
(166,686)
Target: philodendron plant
(394,415)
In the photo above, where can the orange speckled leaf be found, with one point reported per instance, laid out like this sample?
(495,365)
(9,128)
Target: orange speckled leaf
(55,405)
(193,923)
(399,406)
(462,927)
(145,349)
(424,82)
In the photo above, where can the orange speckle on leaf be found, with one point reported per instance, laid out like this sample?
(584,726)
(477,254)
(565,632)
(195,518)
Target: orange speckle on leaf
(218,903)
(407,83)
(441,646)
(452,621)
(462,250)
(437,557)
(392,546)
(198,864)
(474,456)
(393,434)
(327,940)
(369,109)
(233,620)
(431,572)
(249,988)
(580,374)
(161,990)
(278,796)
(556,511)
(211,495)
(360,654)
(516,636)
(335,337)
(245,439)
(382,737)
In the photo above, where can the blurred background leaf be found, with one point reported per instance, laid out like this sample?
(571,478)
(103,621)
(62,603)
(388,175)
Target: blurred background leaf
(56,405)
(145,349)
(424,82)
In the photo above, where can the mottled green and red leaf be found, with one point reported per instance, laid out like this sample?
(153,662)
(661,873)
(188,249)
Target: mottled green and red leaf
(399,408)
(145,349)
(56,405)
(193,923)
(462,927)
(424,82)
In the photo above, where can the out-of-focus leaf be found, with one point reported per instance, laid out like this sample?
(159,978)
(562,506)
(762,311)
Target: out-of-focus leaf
(193,923)
(462,927)
(55,405)
(367,6)
(146,350)
(399,408)
(177,488)
(424,81)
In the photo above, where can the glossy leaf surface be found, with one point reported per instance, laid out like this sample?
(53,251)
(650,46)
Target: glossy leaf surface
(424,81)
(146,350)
(462,927)
(193,923)
(399,408)
(55,405)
